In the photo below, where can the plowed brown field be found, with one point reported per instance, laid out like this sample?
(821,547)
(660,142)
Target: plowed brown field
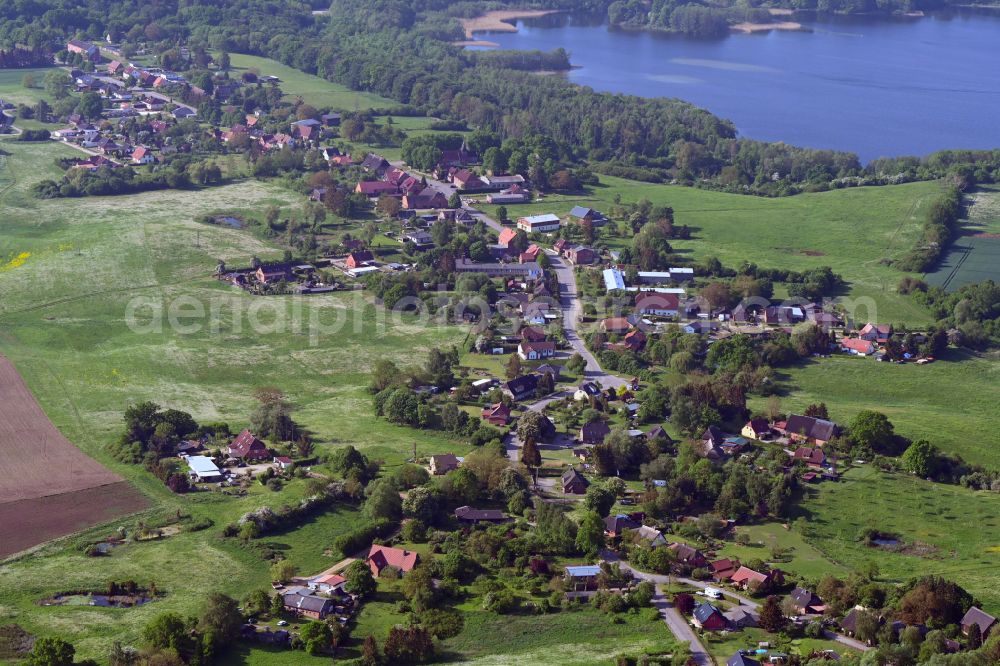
(48,487)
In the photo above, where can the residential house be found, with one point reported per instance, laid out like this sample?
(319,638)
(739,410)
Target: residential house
(700,327)
(714,437)
(858,346)
(583,578)
(651,535)
(182,112)
(359,258)
(468,515)
(538,223)
(580,255)
(594,433)
(274,273)
(977,616)
(784,315)
(806,602)
(303,603)
(615,526)
(464,179)
(687,555)
(506,236)
(497,414)
(635,340)
(420,238)
(550,369)
(531,254)
(532,334)
(745,575)
(330,119)
(443,463)
(808,428)
(708,617)
(657,303)
(283,462)
(812,457)
(375,164)
(580,213)
(741,617)
(528,271)
(425,198)
(375,188)
(616,325)
(722,570)
(328,583)
(534,351)
(512,195)
(500,182)
(757,429)
(382,557)
(247,447)
(521,387)
(586,391)
(879,333)
(740,659)
(573,483)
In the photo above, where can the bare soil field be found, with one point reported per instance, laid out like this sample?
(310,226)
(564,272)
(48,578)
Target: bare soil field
(27,523)
(48,487)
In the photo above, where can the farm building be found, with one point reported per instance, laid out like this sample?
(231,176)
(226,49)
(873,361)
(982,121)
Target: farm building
(204,469)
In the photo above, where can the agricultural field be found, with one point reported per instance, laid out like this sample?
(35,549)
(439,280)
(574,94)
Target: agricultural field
(951,402)
(312,89)
(944,530)
(975,255)
(851,230)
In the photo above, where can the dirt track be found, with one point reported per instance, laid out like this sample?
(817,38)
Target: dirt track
(48,487)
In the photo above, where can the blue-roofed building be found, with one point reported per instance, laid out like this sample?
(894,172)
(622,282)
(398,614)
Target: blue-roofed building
(583,577)
(613,279)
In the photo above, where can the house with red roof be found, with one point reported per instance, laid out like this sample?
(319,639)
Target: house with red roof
(635,340)
(722,569)
(246,446)
(615,325)
(497,414)
(382,557)
(506,236)
(359,258)
(858,346)
(142,155)
(879,333)
(745,575)
(657,303)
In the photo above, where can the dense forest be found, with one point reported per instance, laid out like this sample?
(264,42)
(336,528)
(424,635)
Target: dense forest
(400,49)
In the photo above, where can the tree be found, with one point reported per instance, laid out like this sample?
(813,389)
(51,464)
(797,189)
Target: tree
(221,619)
(513,366)
(421,504)
(360,580)
(419,587)
(383,500)
(921,458)
(576,364)
(531,425)
(599,500)
(502,213)
(166,630)
(316,636)
(57,83)
(282,571)
(369,651)
(975,637)
(771,618)
(224,61)
(51,652)
(29,81)
(873,429)
(590,533)
(866,626)
(90,106)
(817,411)
(455,200)
(684,603)
(388,206)
(530,455)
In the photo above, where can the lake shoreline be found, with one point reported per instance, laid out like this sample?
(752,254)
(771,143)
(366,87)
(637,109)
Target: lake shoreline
(498,21)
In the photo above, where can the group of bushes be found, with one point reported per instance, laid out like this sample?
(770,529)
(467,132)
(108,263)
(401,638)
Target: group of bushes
(938,230)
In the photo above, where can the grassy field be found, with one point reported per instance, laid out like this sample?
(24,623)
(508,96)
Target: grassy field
(951,402)
(850,230)
(63,324)
(948,530)
(313,89)
(724,645)
(13,91)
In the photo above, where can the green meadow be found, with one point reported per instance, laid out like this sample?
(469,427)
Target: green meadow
(946,530)
(312,89)
(952,402)
(852,230)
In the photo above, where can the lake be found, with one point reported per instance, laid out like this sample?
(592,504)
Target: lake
(876,87)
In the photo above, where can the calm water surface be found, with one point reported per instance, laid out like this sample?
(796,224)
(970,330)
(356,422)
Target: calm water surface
(874,87)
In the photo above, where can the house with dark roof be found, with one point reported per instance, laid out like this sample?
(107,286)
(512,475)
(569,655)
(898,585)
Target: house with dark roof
(714,437)
(741,618)
(594,433)
(615,526)
(359,258)
(587,390)
(806,602)
(375,164)
(580,255)
(551,369)
(521,387)
(708,618)
(757,429)
(247,447)
(573,483)
(382,557)
(428,197)
(812,457)
(581,213)
(979,617)
(740,659)
(687,555)
(532,334)
(805,428)
(305,604)
(471,516)
(657,432)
